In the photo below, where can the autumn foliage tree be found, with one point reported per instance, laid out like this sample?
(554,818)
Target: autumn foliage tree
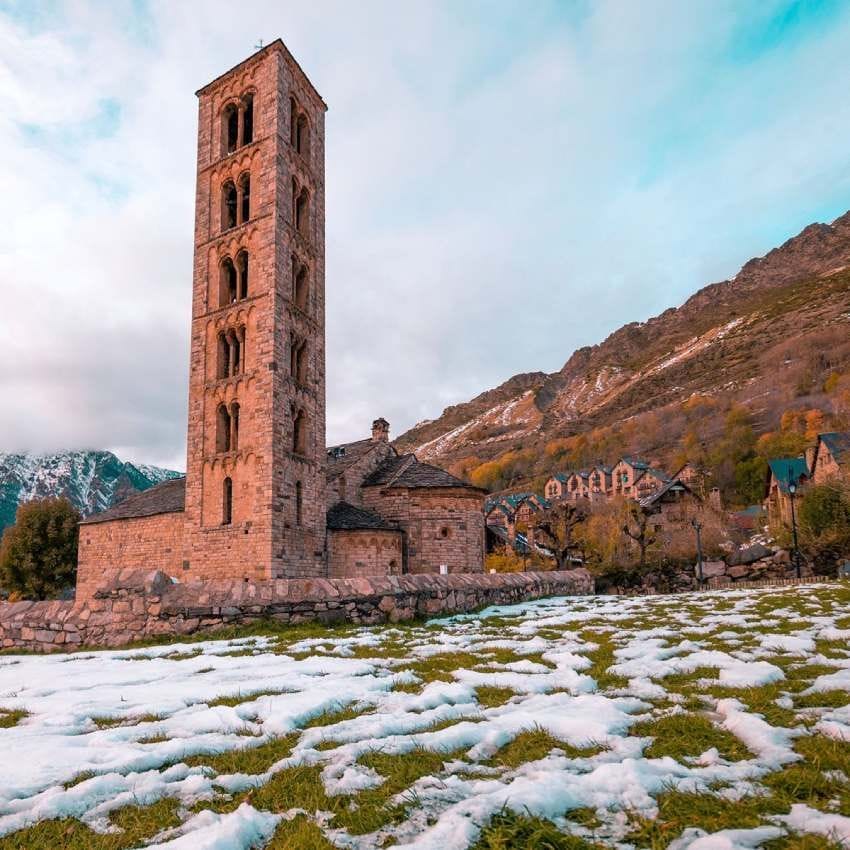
(38,554)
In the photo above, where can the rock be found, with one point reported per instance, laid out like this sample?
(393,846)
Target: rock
(710,569)
(748,555)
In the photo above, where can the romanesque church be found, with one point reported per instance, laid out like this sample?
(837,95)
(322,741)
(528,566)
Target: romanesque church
(263,497)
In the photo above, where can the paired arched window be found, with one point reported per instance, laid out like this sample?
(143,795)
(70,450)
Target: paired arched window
(236,201)
(227,428)
(237,124)
(233,279)
(299,128)
(227,501)
(231,353)
(299,433)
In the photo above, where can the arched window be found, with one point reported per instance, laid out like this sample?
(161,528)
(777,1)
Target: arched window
(299,503)
(223,364)
(293,119)
(302,211)
(227,290)
(227,502)
(228,205)
(298,359)
(294,202)
(248,119)
(234,426)
(300,289)
(242,270)
(230,129)
(235,366)
(302,135)
(245,192)
(222,431)
(299,433)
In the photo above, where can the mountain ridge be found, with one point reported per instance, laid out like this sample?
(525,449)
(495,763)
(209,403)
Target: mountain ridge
(718,341)
(93,480)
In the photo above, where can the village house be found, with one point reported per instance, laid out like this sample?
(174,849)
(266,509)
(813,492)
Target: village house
(782,472)
(672,508)
(263,497)
(831,456)
(625,473)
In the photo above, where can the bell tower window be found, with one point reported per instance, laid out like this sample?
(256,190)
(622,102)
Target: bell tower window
(227,502)
(230,129)
(228,205)
(245,195)
(242,270)
(228,289)
(248,119)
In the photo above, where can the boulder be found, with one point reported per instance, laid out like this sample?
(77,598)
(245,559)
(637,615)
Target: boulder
(748,555)
(710,569)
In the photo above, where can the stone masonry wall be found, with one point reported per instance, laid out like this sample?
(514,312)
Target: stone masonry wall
(137,604)
(141,543)
(444,526)
(364,552)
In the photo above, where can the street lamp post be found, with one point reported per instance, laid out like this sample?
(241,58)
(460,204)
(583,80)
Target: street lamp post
(698,527)
(792,489)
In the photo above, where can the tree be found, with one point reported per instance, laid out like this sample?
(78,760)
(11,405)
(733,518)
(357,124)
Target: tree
(636,527)
(38,554)
(824,520)
(556,529)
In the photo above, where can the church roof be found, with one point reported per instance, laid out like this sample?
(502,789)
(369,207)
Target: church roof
(347,517)
(344,455)
(166,498)
(408,471)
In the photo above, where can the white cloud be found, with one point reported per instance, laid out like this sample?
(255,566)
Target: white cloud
(504,184)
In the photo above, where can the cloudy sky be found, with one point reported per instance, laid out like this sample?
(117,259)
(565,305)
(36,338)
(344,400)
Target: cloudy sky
(506,182)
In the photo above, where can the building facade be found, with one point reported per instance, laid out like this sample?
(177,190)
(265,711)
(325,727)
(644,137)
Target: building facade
(262,497)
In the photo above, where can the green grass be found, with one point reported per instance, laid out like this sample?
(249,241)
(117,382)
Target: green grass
(11,717)
(510,831)
(138,824)
(537,744)
(105,722)
(490,697)
(602,659)
(238,699)
(686,735)
(251,760)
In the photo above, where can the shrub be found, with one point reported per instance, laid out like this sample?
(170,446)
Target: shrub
(38,554)
(824,520)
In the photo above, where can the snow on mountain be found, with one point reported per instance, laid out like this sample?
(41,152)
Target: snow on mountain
(92,480)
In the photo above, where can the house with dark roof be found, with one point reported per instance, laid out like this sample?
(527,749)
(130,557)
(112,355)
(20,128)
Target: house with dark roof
(390,513)
(831,456)
(782,473)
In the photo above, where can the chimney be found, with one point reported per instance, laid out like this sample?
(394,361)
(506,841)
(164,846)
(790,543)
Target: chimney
(381,430)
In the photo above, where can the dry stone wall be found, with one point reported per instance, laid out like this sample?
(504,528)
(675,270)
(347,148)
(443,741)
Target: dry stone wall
(138,605)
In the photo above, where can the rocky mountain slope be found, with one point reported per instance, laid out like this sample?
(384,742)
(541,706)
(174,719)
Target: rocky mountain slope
(763,338)
(92,480)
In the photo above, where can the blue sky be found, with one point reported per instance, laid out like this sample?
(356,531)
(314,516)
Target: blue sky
(506,182)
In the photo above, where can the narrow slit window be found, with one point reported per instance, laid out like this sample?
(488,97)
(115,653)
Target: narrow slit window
(230,127)
(242,269)
(228,290)
(227,502)
(245,186)
(248,119)
(228,206)
(299,503)
(223,432)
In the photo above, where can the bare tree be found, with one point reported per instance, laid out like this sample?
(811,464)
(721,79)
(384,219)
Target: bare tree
(556,530)
(638,529)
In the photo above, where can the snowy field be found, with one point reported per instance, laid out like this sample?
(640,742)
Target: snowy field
(709,722)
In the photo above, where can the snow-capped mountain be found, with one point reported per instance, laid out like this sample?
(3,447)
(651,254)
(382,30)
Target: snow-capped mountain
(92,480)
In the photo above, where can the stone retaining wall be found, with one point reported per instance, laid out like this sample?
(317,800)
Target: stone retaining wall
(141,604)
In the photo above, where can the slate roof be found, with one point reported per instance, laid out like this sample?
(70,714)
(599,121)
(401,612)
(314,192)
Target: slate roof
(674,486)
(783,468)
(837,442)
(563,477)
(166,498)
(347,517)
(408,471)
(344,455)
(636,462)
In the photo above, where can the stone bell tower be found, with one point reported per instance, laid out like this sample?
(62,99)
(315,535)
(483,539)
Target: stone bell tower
(255,480)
